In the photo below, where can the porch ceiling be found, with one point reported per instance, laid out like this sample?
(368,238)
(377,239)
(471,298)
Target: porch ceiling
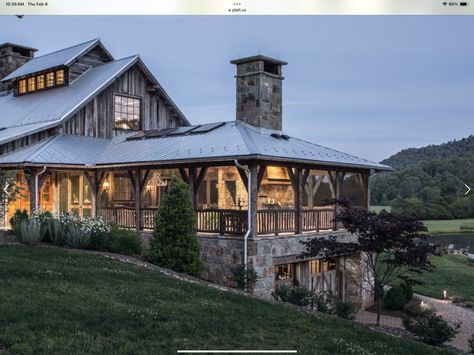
(233,140)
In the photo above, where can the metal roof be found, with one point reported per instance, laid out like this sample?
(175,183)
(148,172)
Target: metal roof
(61,149)
(227,142)
(26,114)
(62,57)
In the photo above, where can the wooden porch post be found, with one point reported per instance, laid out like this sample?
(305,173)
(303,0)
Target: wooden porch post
(138,183)
(253,203)
(296,179)
(194,180)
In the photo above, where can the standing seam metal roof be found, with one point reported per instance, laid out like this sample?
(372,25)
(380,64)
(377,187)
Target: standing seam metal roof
(232,140)
(50,60)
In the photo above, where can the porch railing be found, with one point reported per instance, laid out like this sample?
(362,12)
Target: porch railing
(234,222)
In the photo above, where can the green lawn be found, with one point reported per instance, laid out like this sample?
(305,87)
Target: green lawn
(452,273)
(446,226)
(377,209)
(55,301)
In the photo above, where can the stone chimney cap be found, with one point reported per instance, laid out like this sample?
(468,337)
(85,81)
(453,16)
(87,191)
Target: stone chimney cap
(256,58)
(8,44)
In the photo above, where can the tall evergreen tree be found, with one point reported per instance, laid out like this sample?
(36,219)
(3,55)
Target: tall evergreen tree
(174,244)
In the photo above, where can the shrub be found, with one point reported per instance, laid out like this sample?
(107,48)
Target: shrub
(56,232)
(123,241)
(471,343)
(407,291)
(242,278)
(30,232)
(324,302)
(299,296)
(430,328)
(397,297)
(174,244)
(77,237)
(345,309)
(16,220)
(44,219)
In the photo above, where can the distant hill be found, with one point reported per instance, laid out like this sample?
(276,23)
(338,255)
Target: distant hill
(429,181)
(413,156)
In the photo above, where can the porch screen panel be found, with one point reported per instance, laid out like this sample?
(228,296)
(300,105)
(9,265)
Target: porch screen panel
(63,193)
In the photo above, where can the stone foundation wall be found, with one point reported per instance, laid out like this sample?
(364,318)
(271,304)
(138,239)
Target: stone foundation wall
(220,253)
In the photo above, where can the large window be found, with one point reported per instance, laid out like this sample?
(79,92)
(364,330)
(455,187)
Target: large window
(127,112)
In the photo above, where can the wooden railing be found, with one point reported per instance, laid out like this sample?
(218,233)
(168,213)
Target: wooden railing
(234,222)
(221,221)
(276,221)
(317,219)
(121,216)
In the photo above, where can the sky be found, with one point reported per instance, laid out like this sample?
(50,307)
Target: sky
(365,85)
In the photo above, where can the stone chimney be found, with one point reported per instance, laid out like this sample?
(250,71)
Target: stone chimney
(259,91)
(13,56)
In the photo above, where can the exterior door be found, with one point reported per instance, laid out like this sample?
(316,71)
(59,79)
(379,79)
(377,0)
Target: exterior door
(75,195)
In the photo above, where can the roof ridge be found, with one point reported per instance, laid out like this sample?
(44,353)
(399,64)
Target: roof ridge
(70,47)
(249,143)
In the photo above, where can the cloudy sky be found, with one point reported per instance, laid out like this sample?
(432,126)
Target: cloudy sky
(369,86)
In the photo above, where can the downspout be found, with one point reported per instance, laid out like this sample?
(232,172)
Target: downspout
(37,187)
(249,216)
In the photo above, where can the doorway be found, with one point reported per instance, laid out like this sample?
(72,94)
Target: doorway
(75,195)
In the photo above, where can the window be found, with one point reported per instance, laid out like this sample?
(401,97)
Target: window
(315,266)
(122,188)
(31,84)
(22,86)
(330,265)
(60,77)
(126,112)
(50,80)
(283,272)
(40,82)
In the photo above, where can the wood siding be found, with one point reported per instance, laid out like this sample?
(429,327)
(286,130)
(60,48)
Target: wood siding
(96,119)
(25,141)
(93,58)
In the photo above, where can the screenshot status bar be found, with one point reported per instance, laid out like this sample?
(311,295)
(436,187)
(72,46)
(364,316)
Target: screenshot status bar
(243,7)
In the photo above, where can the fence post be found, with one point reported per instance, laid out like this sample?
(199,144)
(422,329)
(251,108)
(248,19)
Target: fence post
(276,218)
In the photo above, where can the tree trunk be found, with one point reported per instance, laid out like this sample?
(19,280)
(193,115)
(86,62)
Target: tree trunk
(378,299)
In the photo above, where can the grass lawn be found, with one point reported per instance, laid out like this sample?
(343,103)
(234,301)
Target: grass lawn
(452,273)
(446,226)
(55,301)
(377,209)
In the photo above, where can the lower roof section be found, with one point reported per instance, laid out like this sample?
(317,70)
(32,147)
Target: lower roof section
(229,141)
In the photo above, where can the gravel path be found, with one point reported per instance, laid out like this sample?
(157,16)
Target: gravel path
(449,311)
(454,313)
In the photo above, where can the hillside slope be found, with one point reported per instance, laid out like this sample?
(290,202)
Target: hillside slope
(56,301)
(413,156)
(429,181)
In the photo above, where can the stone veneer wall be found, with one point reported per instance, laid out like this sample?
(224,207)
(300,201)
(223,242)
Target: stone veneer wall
(221,253)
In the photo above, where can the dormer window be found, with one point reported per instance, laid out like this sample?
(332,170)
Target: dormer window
(127,112)
(50,80)
(42,81)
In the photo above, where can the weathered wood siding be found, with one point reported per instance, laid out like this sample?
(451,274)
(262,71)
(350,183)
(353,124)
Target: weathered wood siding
(93,58)
(96,119)
(25,141)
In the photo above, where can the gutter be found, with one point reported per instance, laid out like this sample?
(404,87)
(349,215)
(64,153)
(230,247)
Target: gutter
(249,217)
(37,187)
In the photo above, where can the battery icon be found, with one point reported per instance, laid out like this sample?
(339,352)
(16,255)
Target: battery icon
(463,4)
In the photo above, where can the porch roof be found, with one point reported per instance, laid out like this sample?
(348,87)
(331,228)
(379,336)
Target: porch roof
(231,140)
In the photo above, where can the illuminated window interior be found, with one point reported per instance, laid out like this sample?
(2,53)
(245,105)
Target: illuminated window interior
(60,77)
(22,86)
(31,84)
(39,82)
(283,272)
(126,112)
(50,80)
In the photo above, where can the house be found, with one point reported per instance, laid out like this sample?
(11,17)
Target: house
(85,133)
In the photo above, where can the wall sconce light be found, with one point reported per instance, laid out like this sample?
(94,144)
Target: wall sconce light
(106,185)
(445,294)
(149,188)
